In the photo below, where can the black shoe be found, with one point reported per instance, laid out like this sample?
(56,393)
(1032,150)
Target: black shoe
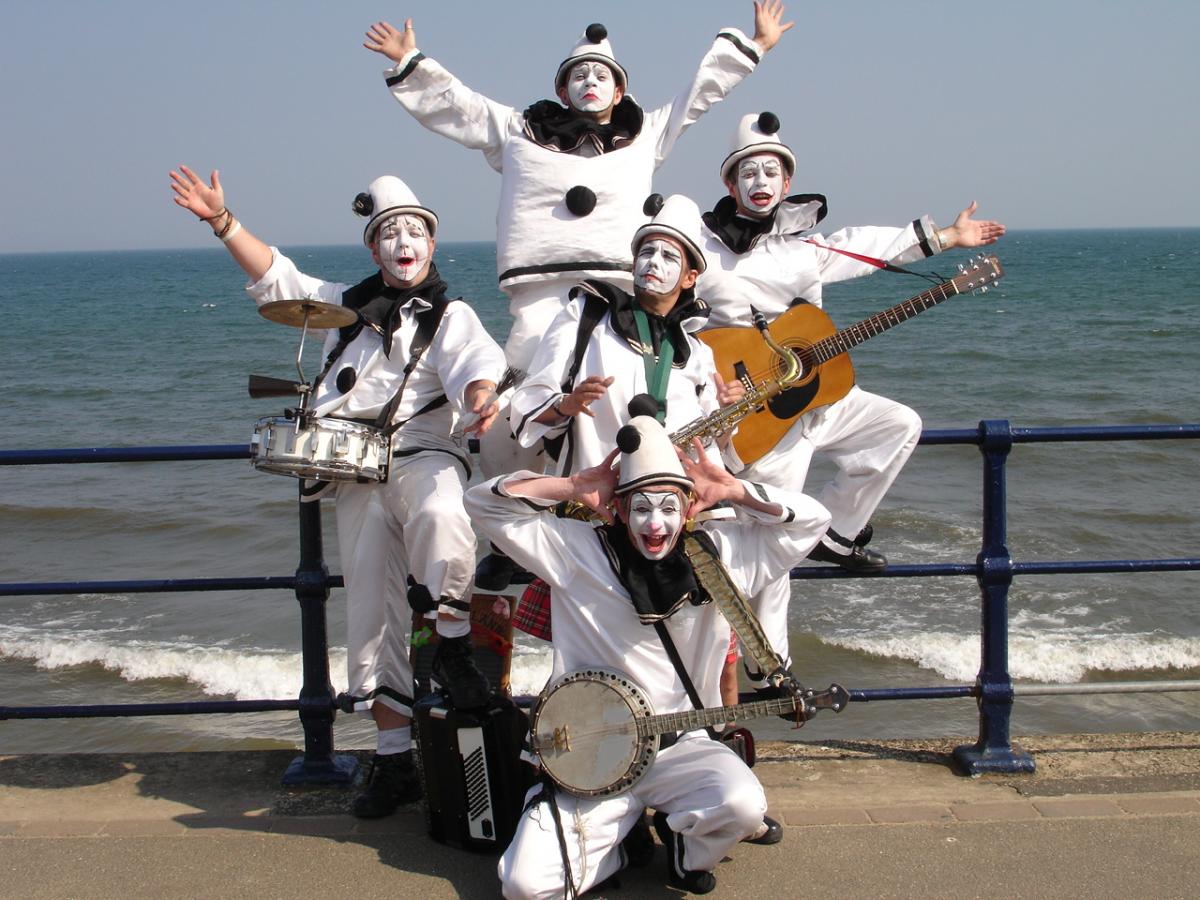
(772,833)
(859,559)
(677,876)
(455,672)
(392,780)
(638,844)
(494,572)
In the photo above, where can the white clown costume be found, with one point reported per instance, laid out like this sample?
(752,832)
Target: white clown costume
(410,533)
(771,264)
(711,800)
(569,200)
(614,349)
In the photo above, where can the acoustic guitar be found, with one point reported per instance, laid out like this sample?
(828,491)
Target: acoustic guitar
(826,373)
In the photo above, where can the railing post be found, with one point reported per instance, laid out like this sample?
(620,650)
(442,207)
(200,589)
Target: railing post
(993,752)
(318,765)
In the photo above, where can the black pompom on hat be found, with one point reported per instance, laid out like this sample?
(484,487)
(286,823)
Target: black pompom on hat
(629,439)
(642,405)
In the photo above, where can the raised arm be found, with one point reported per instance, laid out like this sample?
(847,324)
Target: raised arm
(732,56)
(438,100)
(207,203)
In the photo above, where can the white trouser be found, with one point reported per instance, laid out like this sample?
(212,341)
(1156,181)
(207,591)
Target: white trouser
(534,306)
(709,795)
(413,524)
(869,438)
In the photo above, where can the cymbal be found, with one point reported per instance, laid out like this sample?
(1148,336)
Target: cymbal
(320,314)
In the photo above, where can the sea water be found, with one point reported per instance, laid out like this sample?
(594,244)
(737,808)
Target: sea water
(154,348)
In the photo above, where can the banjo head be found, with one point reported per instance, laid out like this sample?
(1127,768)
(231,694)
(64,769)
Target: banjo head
(585,732)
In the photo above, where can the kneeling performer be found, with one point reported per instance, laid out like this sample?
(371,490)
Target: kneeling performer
(612,582)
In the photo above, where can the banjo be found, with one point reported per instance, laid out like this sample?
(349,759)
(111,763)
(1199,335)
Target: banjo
(596,732)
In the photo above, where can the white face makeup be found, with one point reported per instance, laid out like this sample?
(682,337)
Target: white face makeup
(591,87)
(654,521)
(403,247)
(761,183)
(658,266)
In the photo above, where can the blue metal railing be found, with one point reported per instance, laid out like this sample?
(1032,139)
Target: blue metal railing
(317,704)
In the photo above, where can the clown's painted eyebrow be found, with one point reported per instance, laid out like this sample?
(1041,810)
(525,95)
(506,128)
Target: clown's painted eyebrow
(668,250)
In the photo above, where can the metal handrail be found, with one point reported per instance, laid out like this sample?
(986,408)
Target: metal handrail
(993,568)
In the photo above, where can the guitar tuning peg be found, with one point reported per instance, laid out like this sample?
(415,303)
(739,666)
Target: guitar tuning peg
(962,270)
(984,289)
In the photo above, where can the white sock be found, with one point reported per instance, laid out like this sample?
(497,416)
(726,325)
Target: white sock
(453,628)
(394,740)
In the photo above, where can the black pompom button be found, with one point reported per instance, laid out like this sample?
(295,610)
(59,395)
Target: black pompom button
(581,200)
(346,379)
(596,32)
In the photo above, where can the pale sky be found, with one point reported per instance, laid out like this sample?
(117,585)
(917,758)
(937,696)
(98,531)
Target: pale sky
(1052,113)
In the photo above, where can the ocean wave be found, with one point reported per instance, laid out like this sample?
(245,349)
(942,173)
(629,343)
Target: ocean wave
(1059,659)
(249,674)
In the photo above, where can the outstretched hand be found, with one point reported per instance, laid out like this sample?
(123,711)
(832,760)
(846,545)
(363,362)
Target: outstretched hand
(969,232)
(710,483)
(584,395)
(594,487)
(768,24)
(395,45)
(205,200)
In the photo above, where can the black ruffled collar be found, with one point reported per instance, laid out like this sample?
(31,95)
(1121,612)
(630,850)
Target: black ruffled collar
(657,587)
(688,315)
(556,127)
(378,305)
(793,215)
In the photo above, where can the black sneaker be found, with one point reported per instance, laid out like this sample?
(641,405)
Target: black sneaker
(392,780)
(457,675)
(677,876)
(494,572)
(859,559)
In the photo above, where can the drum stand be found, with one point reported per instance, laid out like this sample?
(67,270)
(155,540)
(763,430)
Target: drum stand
(302,314)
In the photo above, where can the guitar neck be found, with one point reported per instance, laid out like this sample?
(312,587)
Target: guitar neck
(841,342)
(695,719)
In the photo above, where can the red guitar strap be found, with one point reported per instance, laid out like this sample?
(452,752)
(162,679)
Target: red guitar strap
(869,260)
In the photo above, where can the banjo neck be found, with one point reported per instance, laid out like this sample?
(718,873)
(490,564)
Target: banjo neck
(695,719)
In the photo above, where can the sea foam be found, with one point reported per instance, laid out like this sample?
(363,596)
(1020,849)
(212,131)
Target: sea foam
(1060,658)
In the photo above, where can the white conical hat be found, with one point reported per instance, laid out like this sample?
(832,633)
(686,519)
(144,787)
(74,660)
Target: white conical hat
(757,134)
(388,196)
(647,457)
(592,45)
(677,217)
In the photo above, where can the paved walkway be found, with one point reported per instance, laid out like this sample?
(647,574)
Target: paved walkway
(1104,816)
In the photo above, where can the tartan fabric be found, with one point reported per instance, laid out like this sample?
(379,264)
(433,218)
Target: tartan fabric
(533,610)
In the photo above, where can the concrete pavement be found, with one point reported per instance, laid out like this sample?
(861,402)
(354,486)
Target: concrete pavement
(1104,816)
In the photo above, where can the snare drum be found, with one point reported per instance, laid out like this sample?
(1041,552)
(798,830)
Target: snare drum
(324,449)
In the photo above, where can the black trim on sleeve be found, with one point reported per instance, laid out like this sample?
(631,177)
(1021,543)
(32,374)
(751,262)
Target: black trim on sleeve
(394,80)
(758,489)
(749,51)
(922,237)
